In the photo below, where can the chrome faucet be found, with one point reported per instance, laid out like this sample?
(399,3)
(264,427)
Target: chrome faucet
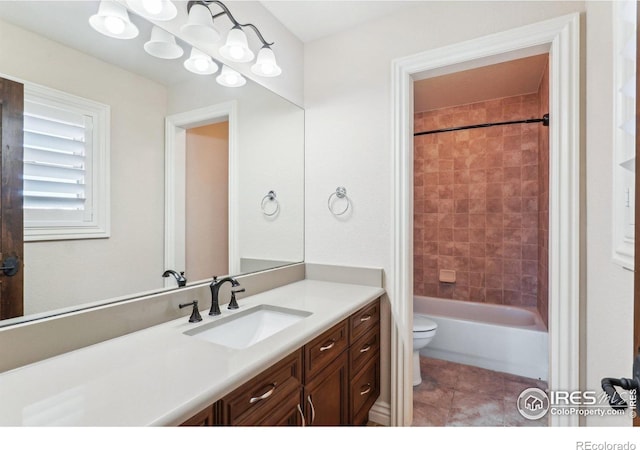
(215,289)
(182,281)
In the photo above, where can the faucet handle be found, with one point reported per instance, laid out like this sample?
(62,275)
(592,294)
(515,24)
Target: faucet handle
(233,304)
(195,314)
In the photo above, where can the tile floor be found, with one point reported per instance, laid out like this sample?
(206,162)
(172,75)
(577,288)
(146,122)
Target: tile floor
(459,395)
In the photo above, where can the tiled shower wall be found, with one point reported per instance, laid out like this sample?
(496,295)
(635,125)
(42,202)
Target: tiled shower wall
(476,197)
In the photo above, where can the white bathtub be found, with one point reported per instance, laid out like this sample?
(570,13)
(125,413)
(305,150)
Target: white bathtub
(497,337)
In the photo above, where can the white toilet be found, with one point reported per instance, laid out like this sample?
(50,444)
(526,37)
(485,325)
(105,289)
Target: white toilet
(424,329)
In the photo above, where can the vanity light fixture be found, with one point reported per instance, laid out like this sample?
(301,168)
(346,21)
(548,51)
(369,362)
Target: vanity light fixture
(112,19)
(230,78)
(154,9)
(200,63)
(162,44)
(236,47)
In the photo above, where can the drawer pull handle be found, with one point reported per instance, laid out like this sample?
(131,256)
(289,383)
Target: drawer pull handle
(365,318)
(366,390)
(313,410)
(328,346)
(365,349)
(304,424)
(263,396)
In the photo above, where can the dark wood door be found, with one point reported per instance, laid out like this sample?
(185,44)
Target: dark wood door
(326,395)
(11,231)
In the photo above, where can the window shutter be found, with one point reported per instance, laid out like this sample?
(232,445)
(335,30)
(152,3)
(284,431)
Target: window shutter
(56,149)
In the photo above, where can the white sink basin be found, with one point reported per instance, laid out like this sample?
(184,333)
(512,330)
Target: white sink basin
(246,328)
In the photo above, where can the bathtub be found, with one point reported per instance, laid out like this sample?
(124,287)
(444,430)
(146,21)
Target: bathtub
(497,337)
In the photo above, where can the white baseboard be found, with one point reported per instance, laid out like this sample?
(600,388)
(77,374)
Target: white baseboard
(380,413)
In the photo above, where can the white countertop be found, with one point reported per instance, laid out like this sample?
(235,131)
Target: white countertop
(160,376)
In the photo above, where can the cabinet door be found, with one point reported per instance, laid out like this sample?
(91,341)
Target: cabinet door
(326,395)
(205,418)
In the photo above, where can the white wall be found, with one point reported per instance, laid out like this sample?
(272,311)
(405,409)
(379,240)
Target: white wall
(65,273)
(609,301)
(348,143)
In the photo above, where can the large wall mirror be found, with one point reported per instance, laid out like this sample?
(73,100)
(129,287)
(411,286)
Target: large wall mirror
(202,178)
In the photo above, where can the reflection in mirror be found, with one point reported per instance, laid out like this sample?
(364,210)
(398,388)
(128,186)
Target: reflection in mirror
(206,220)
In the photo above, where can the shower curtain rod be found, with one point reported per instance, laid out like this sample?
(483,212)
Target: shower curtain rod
(544,120)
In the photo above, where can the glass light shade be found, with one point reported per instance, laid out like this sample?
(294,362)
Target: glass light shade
(154,9)
(629,88)
(112,20)
(266,65)
(230,78)
(236,47)
(199,26)
(162,44)
(200,63)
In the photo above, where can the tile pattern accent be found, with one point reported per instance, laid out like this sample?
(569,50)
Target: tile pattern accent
(543,204)
(459,395)
(476,201)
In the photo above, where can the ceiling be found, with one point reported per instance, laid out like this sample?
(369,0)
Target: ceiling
(313,19)
(507,79)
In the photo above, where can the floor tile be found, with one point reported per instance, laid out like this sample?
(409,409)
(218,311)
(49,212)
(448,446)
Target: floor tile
(454,394)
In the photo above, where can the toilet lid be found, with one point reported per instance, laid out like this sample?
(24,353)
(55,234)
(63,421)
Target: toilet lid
(423,323)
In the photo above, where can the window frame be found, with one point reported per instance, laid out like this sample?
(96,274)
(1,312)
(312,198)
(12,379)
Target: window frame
(98,171)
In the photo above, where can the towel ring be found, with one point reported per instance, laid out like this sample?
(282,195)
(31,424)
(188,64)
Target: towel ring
(340,193)
(270,197)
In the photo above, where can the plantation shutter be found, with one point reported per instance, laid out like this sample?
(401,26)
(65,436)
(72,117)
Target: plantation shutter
(57,153)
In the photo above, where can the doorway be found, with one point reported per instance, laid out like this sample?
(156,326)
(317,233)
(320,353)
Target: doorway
(560,38)
(219,123)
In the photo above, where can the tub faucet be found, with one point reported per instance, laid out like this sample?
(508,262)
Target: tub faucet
(182,281)
(215,289)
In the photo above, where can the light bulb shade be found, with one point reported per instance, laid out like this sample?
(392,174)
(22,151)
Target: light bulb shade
(154,9)
(230,78)
(266,65)
(199,26)
(236,47)
(112,20)
(200,63)
(162,44)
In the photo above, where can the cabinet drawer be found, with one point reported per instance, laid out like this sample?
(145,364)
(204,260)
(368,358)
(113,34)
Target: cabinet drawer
(365,387)
(325,348)
(364,319)
(285,411)
(264,390)
(364,349)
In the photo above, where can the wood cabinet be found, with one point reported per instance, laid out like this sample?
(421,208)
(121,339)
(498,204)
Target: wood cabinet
(332,380)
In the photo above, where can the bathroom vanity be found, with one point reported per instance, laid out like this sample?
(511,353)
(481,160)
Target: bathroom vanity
(332,380)
(324,369)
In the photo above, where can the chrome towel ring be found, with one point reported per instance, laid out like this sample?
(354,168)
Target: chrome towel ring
(266,200)
(339,194)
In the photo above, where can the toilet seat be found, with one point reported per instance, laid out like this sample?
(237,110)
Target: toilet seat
(423,323)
